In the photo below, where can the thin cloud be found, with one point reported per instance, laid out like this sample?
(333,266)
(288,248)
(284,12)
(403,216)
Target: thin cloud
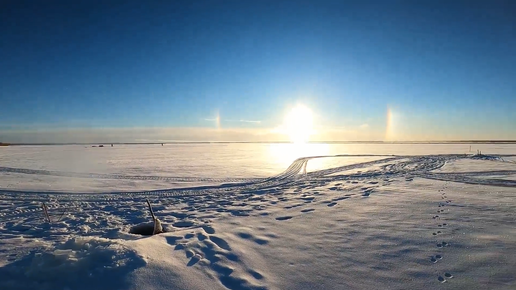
(244,121)
(364,126)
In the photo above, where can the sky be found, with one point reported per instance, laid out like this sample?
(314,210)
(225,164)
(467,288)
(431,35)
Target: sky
(144,71)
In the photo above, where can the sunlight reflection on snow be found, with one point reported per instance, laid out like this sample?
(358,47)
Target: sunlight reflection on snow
(286,153)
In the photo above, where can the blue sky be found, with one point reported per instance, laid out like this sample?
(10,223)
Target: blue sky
(444,69)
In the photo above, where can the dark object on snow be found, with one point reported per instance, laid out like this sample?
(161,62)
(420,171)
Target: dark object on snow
(144,229)
(45,211)
(101,145)
(157,228)
(148,229)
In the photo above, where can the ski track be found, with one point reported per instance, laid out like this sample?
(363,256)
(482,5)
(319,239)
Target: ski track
(28,204)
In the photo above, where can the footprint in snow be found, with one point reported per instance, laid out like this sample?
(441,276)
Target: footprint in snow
(256,275)
(340,198)
(196,258)
(308,198)
(189,253)
(220,242)
(261,241)
(436,258)
(249,236)
(183,224)
(283,218)
(202,236)
(443,279)
(308,210)
(332,204)
(189,236)
(209,229)
(442,245)
(245,235)
(221,269)
(172,240)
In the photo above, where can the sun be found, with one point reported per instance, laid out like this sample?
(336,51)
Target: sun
(298,124)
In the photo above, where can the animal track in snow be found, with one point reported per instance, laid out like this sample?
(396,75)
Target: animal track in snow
(442,226)
(442,244)
(248,236)
(436,258)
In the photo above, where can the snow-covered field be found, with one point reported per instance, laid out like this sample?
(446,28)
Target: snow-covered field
(247,216)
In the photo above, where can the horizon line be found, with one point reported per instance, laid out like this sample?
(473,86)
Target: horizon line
(268,142)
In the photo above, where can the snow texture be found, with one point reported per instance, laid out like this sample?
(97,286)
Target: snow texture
(249,216)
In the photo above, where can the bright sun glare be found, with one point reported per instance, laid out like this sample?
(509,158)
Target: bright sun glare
(298,124)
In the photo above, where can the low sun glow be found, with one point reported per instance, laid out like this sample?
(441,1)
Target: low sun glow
(298,124)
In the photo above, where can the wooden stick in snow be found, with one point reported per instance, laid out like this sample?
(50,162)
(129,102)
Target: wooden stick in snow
(157,224)
(45,210)
(151,212)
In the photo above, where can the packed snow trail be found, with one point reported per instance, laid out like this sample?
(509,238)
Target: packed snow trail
(290,171)
(391,166)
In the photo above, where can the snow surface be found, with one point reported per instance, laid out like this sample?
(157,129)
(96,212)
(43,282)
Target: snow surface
(246,216)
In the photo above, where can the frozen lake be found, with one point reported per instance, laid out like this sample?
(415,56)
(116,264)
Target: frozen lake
(248,216)
(193,161)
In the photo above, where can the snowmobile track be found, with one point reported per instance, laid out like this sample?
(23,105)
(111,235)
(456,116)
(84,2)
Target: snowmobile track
(393,166)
